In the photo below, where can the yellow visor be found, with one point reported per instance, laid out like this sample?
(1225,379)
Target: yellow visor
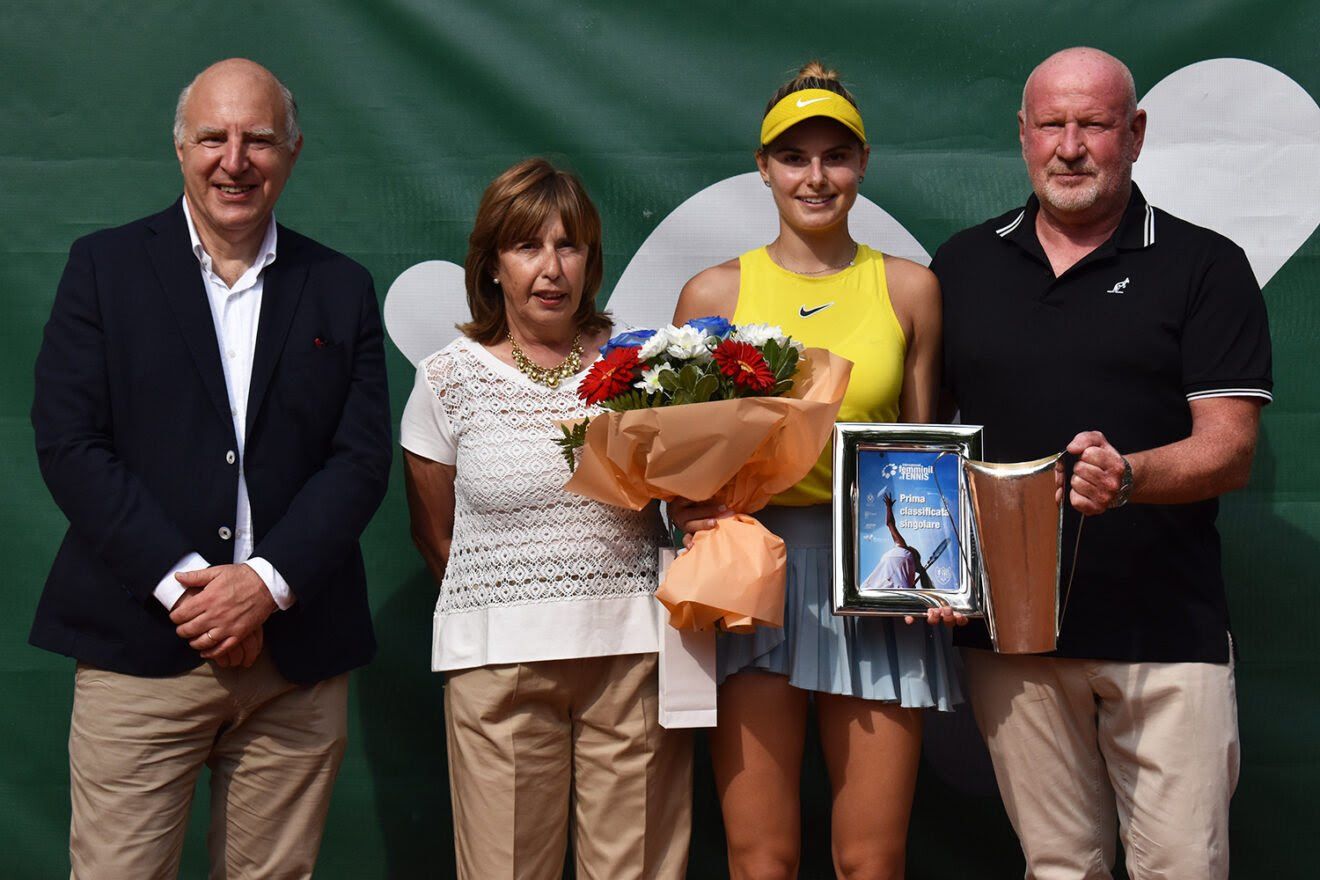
(808,103)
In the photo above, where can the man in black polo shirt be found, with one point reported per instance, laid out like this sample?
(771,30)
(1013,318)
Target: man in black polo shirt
(1093,321)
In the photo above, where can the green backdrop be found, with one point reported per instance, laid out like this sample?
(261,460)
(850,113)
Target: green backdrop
(409,109)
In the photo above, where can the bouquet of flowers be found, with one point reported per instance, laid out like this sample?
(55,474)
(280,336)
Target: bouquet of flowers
(706,359)
(715,411)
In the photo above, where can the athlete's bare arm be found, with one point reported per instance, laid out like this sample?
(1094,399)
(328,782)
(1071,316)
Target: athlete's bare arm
(893,526)
(915,293)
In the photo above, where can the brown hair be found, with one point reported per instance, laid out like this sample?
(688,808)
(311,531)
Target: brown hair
(514,208)
(812,75)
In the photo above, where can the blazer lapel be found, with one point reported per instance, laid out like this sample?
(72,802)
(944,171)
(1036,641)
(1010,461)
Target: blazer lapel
(180,279)
(279,301)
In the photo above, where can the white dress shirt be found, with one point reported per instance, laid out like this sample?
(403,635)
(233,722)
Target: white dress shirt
(235,312)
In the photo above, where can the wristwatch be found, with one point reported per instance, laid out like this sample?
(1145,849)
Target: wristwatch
(1124,486)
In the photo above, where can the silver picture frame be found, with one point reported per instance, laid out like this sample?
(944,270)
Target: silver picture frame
(917,550)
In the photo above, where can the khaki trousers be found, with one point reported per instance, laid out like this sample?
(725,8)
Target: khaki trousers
(1080,746)
(137,745)
(530,743)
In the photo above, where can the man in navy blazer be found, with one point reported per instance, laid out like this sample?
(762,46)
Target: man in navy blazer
(211,415)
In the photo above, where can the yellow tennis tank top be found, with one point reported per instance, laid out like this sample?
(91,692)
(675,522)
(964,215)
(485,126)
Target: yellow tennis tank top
(849,313)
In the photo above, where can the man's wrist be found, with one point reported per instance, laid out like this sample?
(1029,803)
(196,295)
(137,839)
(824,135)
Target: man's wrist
(168,591)
(275,584)
(1124,486)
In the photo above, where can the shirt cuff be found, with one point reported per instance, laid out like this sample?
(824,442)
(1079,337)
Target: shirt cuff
(278,586)
(169,590)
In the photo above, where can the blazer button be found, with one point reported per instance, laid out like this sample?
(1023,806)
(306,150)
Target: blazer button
(224,533)
(230,457)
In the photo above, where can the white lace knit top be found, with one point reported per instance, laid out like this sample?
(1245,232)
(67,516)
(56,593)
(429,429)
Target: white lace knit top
(534,573)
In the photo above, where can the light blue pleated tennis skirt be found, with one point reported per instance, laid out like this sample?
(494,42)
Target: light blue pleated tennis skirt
(877,658)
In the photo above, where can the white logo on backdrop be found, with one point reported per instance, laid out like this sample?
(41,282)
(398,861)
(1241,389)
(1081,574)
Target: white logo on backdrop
(1231,145)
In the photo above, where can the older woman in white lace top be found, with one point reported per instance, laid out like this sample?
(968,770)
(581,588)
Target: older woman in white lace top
(545,627)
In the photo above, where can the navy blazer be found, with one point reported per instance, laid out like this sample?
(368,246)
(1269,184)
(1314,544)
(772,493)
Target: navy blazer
(133,431)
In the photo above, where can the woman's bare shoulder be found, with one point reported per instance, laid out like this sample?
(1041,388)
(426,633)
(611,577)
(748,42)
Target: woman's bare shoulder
(712,291)
(908,277)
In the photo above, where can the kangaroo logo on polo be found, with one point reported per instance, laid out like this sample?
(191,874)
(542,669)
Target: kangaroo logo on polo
(1119,287)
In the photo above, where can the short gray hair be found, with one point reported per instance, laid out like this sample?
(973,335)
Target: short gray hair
(291,130)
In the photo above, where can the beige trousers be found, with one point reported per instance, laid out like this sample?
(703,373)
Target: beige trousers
(531,743)
(137,745)
(1082,746)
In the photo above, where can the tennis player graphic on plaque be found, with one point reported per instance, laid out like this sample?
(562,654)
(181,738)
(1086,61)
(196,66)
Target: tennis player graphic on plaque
(906,525)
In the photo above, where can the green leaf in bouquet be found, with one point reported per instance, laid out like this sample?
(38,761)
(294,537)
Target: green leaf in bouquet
(668,380)
(771,352)
(688,377)
(782,387)
(788,362)
(573,439)
(707,385)
(628,400)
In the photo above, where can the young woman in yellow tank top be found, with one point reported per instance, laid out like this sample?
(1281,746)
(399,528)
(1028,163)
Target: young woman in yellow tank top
(870,678)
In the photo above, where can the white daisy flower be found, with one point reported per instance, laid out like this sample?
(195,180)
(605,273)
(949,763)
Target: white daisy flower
(650,381)
(759,334)
(656,345)
(687,344)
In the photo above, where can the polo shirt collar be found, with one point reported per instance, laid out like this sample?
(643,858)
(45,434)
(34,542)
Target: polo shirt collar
(1136,229)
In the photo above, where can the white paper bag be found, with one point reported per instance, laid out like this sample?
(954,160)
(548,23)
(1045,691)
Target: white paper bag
(687,669)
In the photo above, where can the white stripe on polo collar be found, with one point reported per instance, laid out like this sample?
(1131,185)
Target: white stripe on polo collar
(1005,231)
(1147,237)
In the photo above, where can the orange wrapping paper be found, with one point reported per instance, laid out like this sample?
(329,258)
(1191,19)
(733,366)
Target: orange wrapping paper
(738,452)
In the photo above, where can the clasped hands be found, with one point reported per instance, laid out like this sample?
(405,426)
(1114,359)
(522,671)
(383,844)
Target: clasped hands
(694,516)
(221,612)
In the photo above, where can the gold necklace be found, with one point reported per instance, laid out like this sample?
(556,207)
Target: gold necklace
(548,376)
(780,263)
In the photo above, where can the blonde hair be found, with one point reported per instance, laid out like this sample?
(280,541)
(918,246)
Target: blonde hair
(812,75)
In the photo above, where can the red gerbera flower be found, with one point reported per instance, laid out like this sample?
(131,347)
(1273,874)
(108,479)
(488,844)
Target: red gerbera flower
(744,364)
(611,375)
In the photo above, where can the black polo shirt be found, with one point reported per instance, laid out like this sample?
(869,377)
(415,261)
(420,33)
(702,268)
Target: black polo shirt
(1162,313)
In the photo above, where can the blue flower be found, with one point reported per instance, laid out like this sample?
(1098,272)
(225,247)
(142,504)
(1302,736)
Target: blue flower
(713,325)
(627,339)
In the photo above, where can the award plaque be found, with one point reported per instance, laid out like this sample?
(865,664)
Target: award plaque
(903,523)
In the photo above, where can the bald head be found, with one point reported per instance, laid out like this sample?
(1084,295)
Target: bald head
(239,75)
(1082,65)
(1081,131)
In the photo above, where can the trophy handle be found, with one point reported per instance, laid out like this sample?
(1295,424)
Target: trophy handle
(1069,462)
